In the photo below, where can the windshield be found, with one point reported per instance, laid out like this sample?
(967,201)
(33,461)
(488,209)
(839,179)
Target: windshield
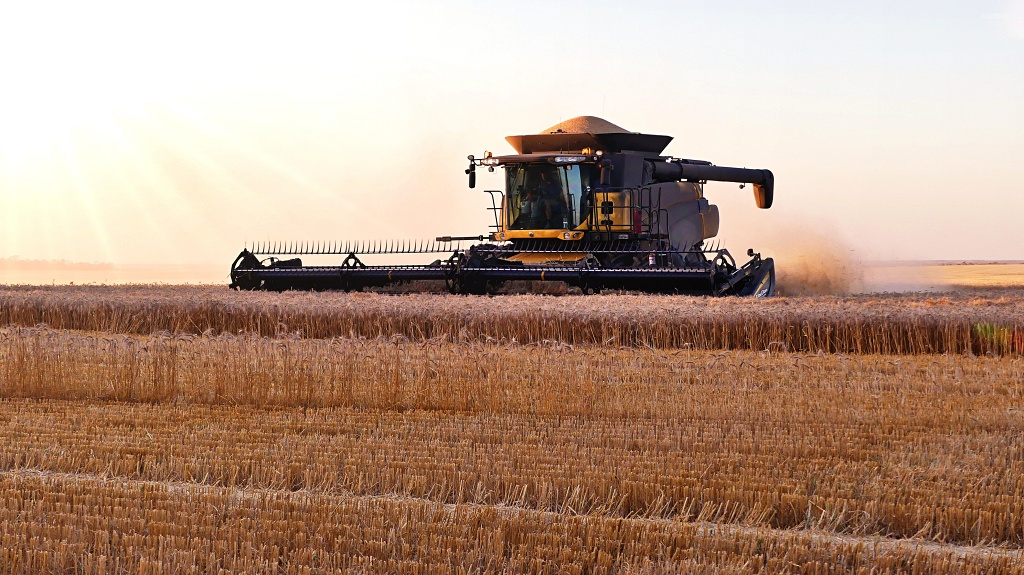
(544,196)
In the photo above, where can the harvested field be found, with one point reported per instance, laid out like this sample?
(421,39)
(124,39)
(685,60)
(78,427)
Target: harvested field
(943,277)
(457,434)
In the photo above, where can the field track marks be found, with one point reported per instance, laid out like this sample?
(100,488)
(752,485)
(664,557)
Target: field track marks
(880,545)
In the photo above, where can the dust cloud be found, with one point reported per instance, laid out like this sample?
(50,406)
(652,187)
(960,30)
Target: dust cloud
(810,262)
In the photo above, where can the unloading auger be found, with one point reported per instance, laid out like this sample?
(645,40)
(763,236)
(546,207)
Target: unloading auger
(585,202)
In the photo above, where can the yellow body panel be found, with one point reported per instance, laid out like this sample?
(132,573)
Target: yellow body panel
(538,234)
(547,258)
(621,216)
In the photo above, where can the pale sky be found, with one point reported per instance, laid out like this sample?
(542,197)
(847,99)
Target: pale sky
(134,134)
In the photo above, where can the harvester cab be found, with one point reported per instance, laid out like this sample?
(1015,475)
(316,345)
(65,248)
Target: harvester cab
(585,202)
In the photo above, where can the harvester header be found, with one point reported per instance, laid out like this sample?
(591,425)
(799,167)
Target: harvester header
(586,203)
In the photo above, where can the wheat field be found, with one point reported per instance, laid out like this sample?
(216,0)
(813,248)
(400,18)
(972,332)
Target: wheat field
(156,430)
(983,321)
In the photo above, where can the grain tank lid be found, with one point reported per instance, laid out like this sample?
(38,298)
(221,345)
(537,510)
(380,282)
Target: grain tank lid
(581,132)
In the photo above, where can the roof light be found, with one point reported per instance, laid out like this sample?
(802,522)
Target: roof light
(570,159)
(490,161)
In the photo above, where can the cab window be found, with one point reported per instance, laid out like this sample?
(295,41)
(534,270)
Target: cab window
(545,196)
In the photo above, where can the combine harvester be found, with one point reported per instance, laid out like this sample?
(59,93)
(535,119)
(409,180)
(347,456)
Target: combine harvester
(585,202)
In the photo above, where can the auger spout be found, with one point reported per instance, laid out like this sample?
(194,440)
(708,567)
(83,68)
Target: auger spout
(693,171)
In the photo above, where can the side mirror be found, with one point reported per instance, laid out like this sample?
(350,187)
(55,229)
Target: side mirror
(471,170)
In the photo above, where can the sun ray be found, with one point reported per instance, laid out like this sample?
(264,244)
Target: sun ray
(85,196)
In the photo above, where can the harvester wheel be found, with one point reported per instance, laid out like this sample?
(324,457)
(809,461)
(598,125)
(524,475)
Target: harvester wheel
(453,272)
(586,283)
(239,278)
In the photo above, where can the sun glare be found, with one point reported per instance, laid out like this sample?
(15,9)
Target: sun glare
(113,116)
